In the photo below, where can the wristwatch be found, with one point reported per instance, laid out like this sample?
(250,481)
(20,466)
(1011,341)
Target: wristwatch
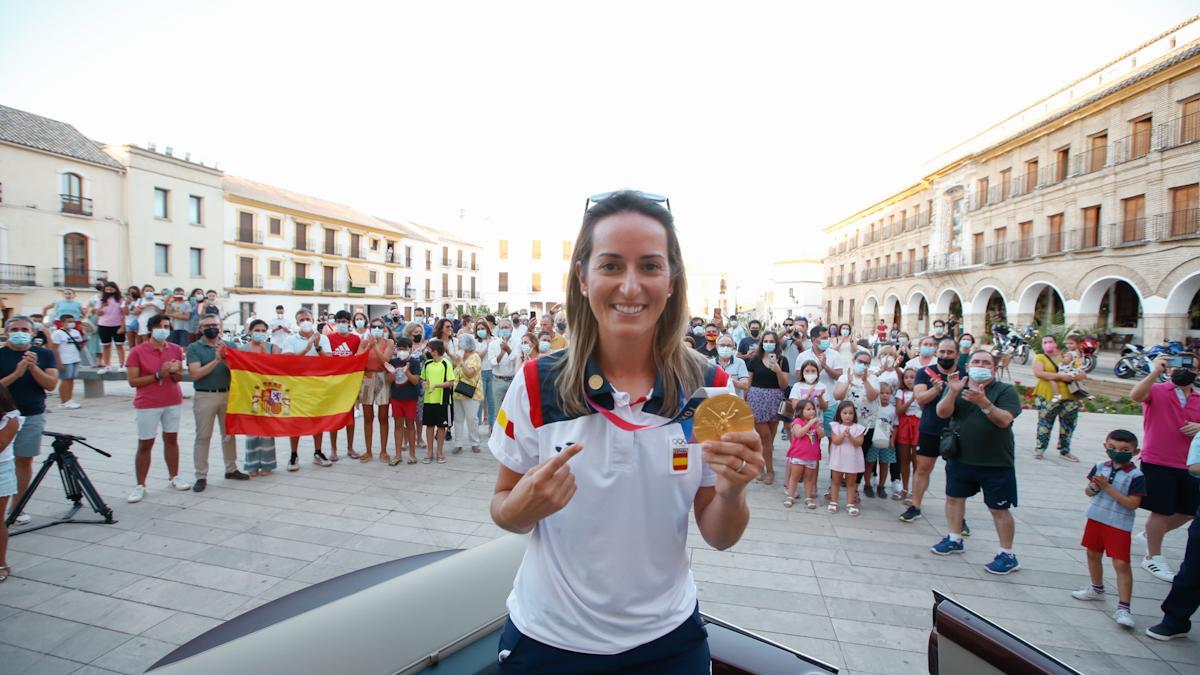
(986,411)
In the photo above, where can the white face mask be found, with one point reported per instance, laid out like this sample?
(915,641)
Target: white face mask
(810,377)
(402,355)
(306,326)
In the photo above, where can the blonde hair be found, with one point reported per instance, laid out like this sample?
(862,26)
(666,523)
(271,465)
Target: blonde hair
(684,367)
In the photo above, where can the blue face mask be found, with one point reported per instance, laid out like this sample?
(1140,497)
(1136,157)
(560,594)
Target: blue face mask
(258,336)
(860,368)
(823,344)
(725,352)
(20,339)
(926,351)
(481,334)
(768,347)
(979,374)
(160,334)
(377,332)
(964,344)
(543,346)
(505,333)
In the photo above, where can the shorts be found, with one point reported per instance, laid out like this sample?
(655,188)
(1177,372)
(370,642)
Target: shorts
(1169,490)
(150,419)
(929,445)
(28,442)
(999,483)
(375,389)
(827,420)
(436,415)
(885,455)
(404,410)
(806,463)
(68,371)
(1098,536)
(110,334)
(8,479)
(909,431)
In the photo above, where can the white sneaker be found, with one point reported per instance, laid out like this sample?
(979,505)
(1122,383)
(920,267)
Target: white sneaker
(180,484)
(1123,617)
(897,486)
(1159,568)
(102,370)
(1140,538)
(357,411)
(139,492)
(22,519)
(1088,593)
(71,405)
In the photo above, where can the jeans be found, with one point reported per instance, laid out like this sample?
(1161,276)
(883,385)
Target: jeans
(1184,598)
(499,391)
(180,337)
(487,399)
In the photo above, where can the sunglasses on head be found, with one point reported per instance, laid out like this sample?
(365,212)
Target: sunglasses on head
(651,196)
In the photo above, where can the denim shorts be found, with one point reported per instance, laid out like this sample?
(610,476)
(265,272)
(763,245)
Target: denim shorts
(28,442)
(68,371)
(8,480)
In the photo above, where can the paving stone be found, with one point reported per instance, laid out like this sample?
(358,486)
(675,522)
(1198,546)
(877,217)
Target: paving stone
(103,611)
(182,597)
(181,627)
(134,655)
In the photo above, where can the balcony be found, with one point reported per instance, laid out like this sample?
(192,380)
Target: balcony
(1025,183)
(76,277)
(332,286)
(1133,146)
(304,245)
(246,236)
(1090,161)
(409,293)
(1179,131)
(303,284)
(357,290)
(428,295)
(445,262)
(921,265)
(75,204)
(922,220)
(248,281)
(356,252)
(474,267)
(333,248)
(18,275)
(1052,174)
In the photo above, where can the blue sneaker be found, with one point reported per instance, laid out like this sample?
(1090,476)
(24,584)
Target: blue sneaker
(966,530)
(1003,563)
(947,546)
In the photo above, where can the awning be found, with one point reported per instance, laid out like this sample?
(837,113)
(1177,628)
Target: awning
(358,275)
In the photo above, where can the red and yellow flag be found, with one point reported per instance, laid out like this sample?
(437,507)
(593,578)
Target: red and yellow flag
(286,395)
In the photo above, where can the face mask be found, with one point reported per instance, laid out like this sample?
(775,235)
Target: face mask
(481,334)
(711,338)
(823,344)
(1050,348)
(376,332)
(160,334)
(20,339)
(979,374)
(938,330)
(69,325)
(505,333)
(343,328)
(148,296)
(38,325)
(946,364)
(888,362)
(860,368)
(833,331)
(724,352)
(543,346)
(754,332)
(811,377)
(926,351)
(359,323)
(903,340)
(1118,457)
(562,327)
(306,326)
(768,347)
(197,298)
(1183,378)
(697,330)
(402,354)
(964,344)
(258,336)
(525,348)
(212,332)
(733,322)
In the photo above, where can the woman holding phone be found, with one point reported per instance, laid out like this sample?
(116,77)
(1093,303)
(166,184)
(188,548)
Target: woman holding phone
(595,462)
(768,382)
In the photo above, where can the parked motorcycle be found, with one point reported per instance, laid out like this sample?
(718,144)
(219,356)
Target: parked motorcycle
(1087,349)
(1136,361)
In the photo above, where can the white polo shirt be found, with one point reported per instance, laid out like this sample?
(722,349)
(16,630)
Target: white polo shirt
(609,572)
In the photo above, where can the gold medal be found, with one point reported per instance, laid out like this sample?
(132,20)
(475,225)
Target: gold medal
(720,415)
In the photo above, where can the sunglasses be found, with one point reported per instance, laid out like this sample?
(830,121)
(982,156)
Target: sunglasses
(651,196)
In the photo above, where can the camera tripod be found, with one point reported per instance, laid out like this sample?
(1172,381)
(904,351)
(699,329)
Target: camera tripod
(74,481)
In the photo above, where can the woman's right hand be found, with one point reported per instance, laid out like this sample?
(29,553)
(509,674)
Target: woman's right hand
(543,491)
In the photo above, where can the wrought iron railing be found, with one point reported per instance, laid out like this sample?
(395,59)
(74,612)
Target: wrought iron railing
(81,206)
(18,275)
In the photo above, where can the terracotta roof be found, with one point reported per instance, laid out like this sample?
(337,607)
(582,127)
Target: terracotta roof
(319,208)
(42,133)
(410,230)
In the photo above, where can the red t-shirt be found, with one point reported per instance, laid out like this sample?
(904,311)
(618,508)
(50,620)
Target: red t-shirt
(1163,414)
(344,345)
(149,359)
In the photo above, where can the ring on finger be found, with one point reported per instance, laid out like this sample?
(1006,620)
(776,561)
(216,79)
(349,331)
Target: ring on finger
(739,469)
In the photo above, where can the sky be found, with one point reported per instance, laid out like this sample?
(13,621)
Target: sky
(763,122)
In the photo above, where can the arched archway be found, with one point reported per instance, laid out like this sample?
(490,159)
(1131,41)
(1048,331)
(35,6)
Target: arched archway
(1184,300)
(949,304)
(1043,303)
(892,313)
(1112,305)
(918,309)
(870,313)
(990,300)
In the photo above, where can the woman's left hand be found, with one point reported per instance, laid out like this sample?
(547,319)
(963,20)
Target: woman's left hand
(736,459)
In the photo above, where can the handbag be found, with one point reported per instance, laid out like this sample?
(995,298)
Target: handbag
(882,438)
(950,445)
(465,390)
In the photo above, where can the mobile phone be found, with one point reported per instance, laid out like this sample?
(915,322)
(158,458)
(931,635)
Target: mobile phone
(1181,361)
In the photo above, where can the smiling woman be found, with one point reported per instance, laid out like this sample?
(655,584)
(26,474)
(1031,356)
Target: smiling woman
(596,463)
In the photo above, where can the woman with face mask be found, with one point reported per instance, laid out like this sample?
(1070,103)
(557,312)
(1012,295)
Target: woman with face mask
(466,408)
(360,326)
(375,394)
(260,450)
(768,383)
(728,361)
(483,344)
(415,332)
(1053,400)
(966,345)
(110,325)
(132,307)
(151,305)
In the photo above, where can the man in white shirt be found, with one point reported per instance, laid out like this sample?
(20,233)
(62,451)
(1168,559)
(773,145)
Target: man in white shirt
(830,363)
(503,355)
(306,341)
(280,327)
(67,341)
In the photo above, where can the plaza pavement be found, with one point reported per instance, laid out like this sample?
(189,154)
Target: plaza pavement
(852,591)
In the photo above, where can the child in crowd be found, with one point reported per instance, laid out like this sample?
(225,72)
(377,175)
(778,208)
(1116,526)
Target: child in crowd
(67,342)
(437,376)
(804,453)
(1072,364)
(10,424)
(845,456)
(882,453)
(808,387)
(1116,487)
(908,422)
(405,370)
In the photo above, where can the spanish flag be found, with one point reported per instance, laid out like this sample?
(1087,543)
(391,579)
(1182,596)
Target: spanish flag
(286,395)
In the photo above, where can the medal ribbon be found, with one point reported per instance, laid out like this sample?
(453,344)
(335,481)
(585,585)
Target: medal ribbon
(683,418)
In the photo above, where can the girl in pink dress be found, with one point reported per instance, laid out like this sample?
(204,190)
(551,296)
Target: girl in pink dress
(804,454)
(845,455)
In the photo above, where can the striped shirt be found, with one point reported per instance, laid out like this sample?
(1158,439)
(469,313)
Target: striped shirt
(1129,481)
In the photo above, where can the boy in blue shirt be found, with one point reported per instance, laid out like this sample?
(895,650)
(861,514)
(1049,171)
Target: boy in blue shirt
(1116,487)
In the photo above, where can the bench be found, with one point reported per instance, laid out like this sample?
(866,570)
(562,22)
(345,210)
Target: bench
(93,381)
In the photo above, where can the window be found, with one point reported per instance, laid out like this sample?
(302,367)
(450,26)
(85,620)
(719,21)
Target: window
(1026,229)
(981,190)
(408,256)
(162,259)
(566,250)
(1140,143)
(373,277)
(1054,243)
(246,308)
(503,283)
(1133,218)
(474,261)
(374,244)
(1099,152)
(246,273)
(428,259)
(537,249)
(276,225)
(355,246)
(1001,236)
(473,287)
(196,262)
(460,258)
(1060,164)
(445,256)
(458,285)
(161,209)
(1091,226)
(1185,209)
(841,307)
(302,237)
(275,268)
(75,260)
(1005,184)
(957,216)
(445,284)
(977,248)
(504,249)
(1031,176)
(1191,121)
(301,271)
(245,227)
(195,210)
(536,287)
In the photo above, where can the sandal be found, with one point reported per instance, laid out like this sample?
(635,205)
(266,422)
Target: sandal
(366,457)
(832,507)
(441,460)
(852,509)
(810,504)
(352,454)
(899,494)
(787,502)
(385,457)
(474,448)
(427,460)
(333,456)
(394,462)
(5,572)
(1038,454)
(412,460)
(770,479)
(1069,457)
(457,450)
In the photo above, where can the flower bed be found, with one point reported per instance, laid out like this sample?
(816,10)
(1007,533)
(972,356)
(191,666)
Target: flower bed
(1101,404)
